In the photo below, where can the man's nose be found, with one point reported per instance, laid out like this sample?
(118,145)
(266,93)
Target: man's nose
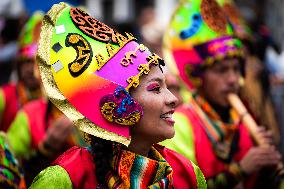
(232,77)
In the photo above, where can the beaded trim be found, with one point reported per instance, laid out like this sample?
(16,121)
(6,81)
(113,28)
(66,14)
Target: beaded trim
(144,69)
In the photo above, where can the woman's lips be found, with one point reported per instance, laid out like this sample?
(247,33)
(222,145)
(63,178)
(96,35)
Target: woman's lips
(168,117)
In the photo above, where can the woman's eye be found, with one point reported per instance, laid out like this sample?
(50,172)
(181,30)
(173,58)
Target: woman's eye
(154,87)
(157,89)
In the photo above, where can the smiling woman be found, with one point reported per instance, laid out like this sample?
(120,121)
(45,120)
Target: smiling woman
(114,90)
(158,104)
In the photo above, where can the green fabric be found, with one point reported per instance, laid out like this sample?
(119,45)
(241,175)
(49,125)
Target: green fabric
(183,141)
(54,177)
(2,103)
(201,182)
(19,135)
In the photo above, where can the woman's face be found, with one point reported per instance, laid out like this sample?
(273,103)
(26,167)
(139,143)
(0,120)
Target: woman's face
(158,105)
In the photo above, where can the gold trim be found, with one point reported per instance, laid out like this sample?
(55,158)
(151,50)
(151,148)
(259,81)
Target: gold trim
(144,69)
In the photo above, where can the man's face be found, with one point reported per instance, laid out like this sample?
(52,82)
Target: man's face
(221,79)
(27,74)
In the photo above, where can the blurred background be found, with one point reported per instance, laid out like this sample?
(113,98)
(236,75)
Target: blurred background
(148,19)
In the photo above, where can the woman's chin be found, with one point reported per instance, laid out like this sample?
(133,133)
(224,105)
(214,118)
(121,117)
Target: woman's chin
(169,134)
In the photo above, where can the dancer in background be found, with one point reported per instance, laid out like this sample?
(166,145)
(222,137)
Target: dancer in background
(13,96)
(207,56)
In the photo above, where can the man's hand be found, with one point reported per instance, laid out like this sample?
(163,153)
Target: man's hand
(258,158)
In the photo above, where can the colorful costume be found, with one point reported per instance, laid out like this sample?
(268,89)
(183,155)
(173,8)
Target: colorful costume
(252,93)
(14,96)
(11,175)
(87,73)
(66,175)
(214,146)
(198,36)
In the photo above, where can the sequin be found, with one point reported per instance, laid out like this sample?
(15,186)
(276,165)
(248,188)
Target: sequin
(60,29)
(57,66)
(213,16)
(56,47)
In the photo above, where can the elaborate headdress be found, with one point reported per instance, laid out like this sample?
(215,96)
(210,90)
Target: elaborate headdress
(88,68)
(198,35)
(29,36)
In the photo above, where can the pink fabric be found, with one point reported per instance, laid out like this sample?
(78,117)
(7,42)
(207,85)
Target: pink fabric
(11,106)
(119,73)
(184,175)
(79,164)
(35,111)
(87,102)
(186,57)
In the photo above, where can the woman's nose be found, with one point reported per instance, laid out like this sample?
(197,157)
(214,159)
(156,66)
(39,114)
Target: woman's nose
(171,99)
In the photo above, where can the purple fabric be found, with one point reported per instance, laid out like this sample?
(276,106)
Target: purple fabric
(120,73)
(219,46)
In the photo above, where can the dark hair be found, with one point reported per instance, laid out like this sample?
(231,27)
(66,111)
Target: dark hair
(103,152)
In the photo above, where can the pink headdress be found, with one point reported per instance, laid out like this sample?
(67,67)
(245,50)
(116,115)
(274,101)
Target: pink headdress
(88,68)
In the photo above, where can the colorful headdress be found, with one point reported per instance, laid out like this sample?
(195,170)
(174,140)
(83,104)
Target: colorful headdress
(88,68)
(29,36)
(241,29)
(198,35)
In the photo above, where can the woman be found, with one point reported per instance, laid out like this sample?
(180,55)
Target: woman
(113,89)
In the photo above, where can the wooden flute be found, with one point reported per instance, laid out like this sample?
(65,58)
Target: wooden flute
(251,125)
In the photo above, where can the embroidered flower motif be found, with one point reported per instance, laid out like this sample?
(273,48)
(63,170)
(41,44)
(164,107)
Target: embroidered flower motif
(121,108)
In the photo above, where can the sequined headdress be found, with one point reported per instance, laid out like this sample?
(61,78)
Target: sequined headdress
(87,70)
(198,35)
(29,36)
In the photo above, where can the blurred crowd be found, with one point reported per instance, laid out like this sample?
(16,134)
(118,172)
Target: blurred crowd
(34,132)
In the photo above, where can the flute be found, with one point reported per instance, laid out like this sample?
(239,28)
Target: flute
(251,125)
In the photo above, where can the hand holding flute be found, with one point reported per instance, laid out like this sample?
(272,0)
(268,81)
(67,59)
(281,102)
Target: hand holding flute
(257,157)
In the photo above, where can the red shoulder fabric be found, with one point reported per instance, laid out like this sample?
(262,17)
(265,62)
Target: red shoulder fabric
(79,164)
(183,171)
(11,106)
(35,111)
